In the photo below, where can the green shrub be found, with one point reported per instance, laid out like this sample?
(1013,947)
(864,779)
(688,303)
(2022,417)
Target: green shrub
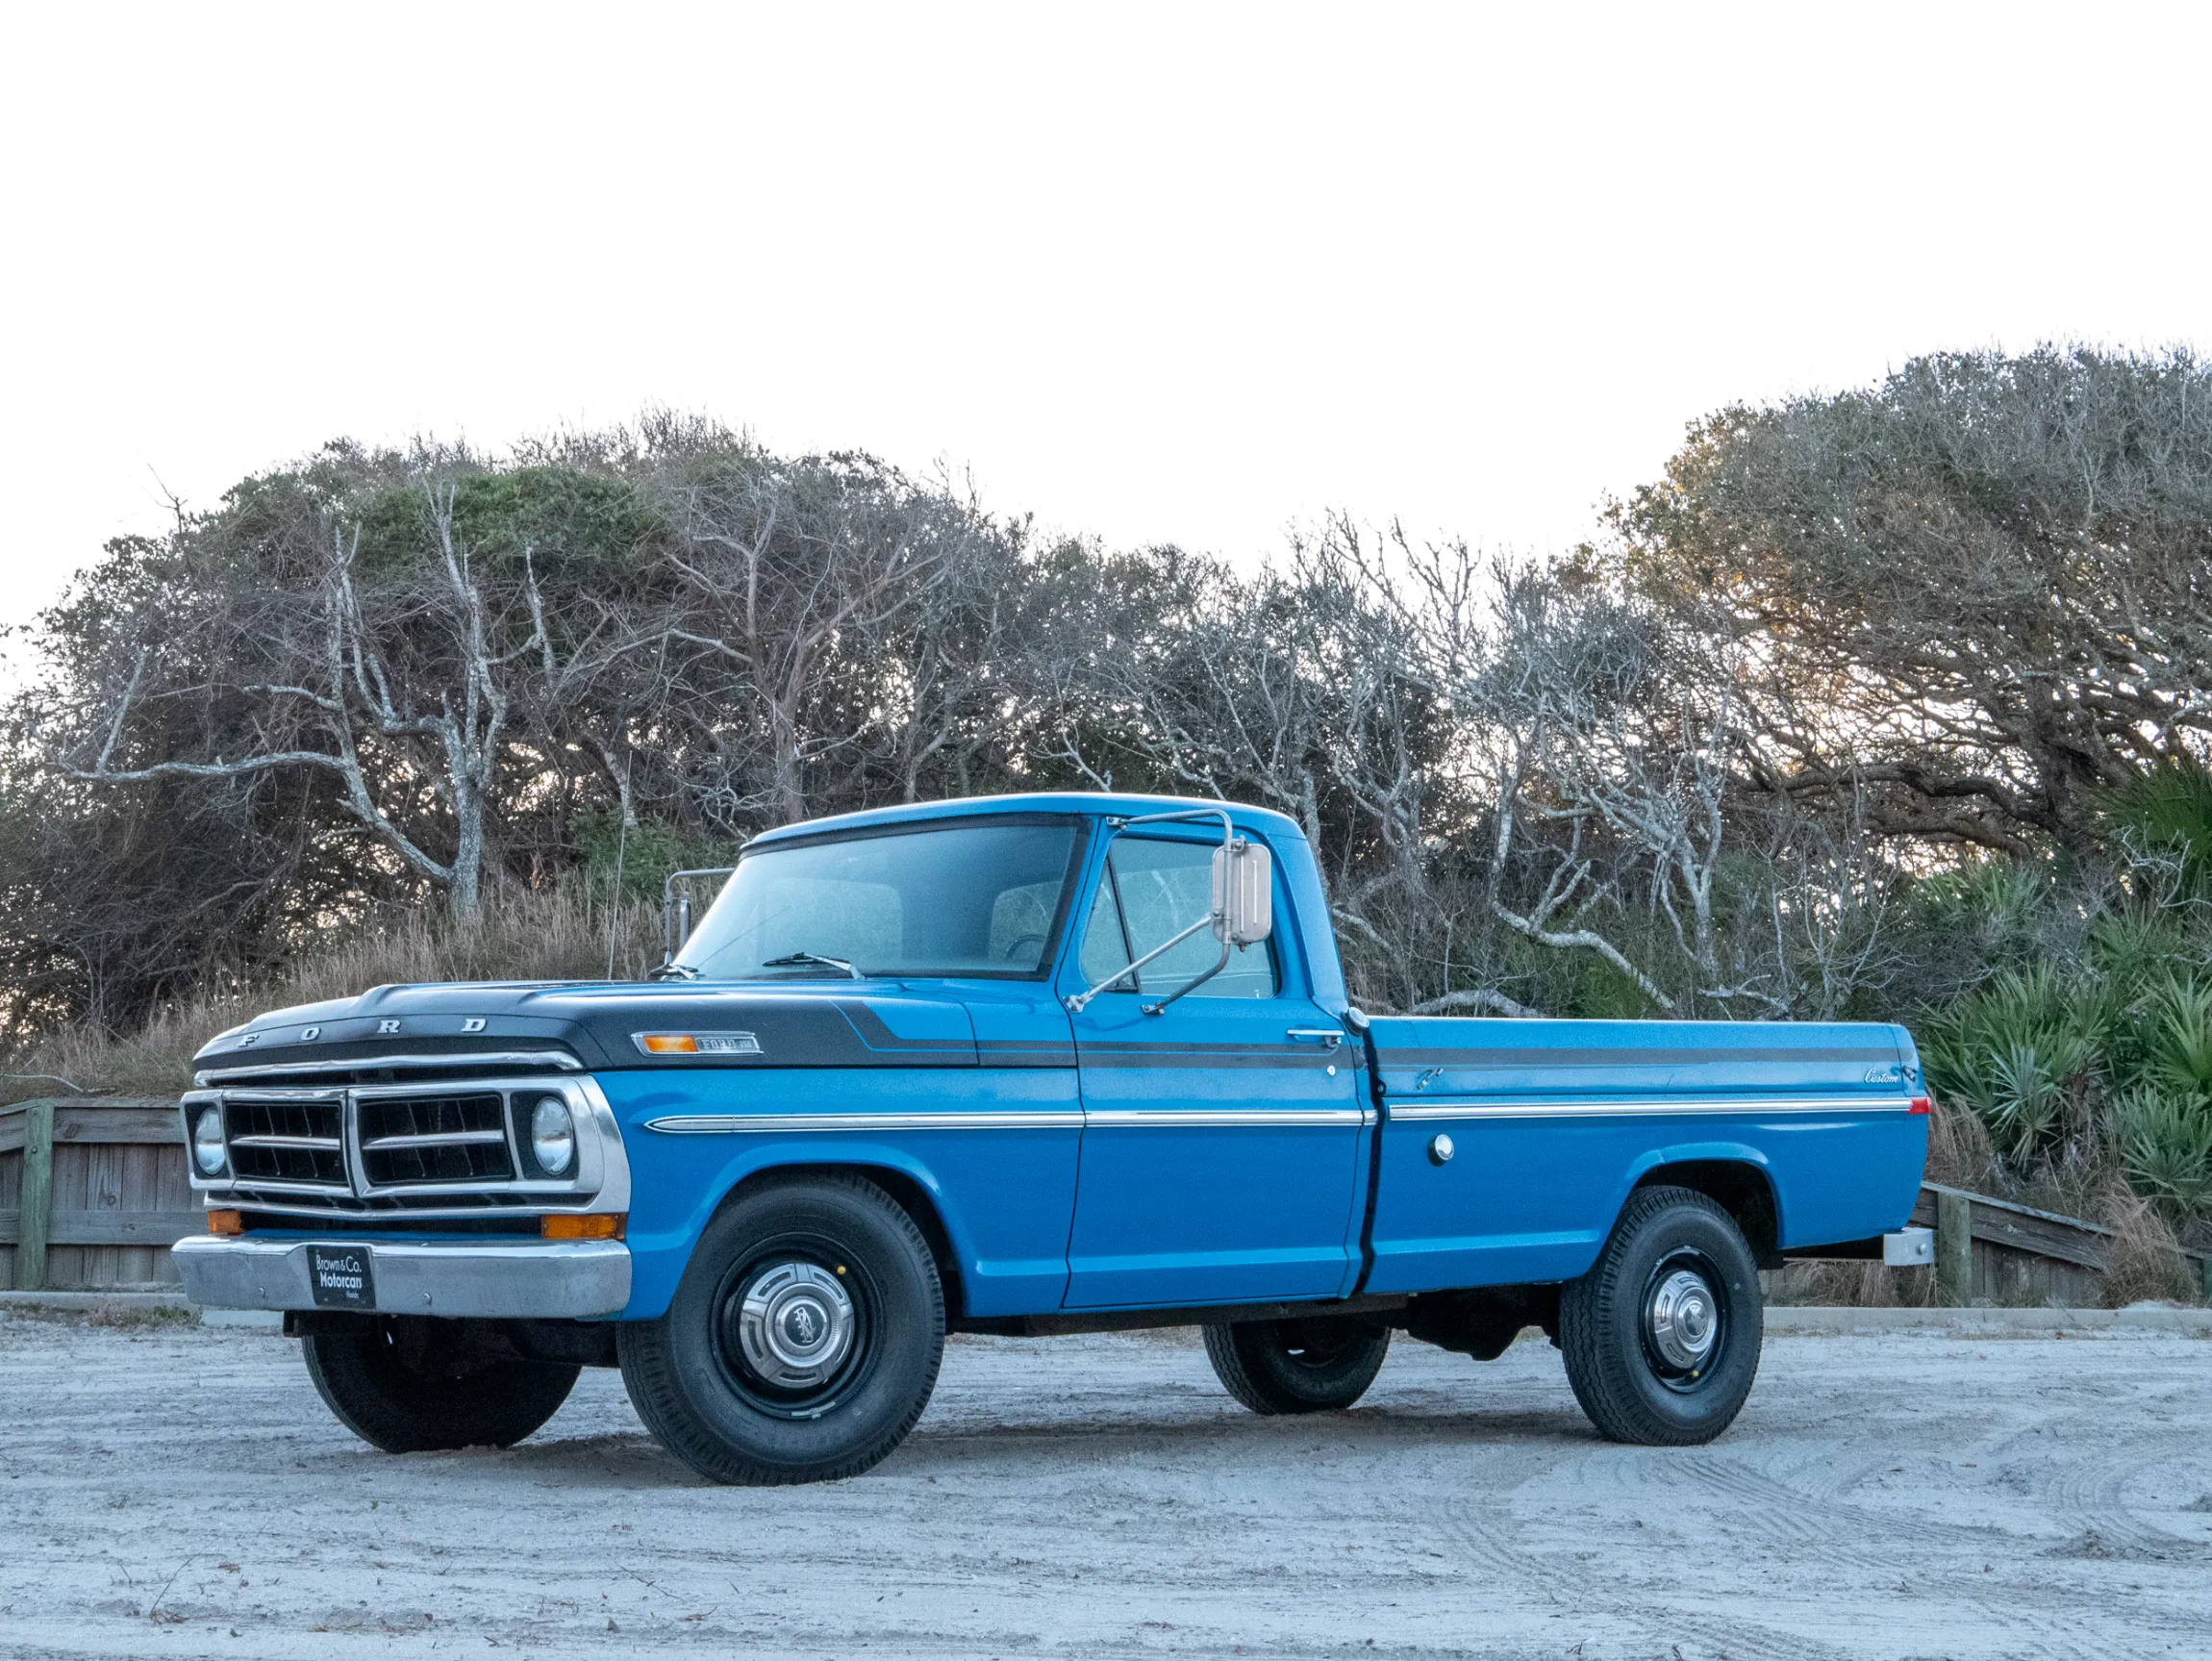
(2017,1051)
(2167,815)
(2165,1142)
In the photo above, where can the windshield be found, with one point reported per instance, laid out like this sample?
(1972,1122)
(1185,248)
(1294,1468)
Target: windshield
(979,898)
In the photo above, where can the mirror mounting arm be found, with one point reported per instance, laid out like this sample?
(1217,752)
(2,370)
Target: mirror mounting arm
(1223,918)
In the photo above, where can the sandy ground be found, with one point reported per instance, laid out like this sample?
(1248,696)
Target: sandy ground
(182,1492)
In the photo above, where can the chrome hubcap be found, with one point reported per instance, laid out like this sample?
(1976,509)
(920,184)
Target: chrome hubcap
(1683,1318)
(794,1324)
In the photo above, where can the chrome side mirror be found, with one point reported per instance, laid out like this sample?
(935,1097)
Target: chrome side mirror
(1243,893)
(676,909)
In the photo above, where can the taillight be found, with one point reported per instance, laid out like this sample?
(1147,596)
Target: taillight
(1921,1105)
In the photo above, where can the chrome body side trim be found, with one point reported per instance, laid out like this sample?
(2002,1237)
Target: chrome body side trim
(509,1279)
(1210,1117)
(1075,1118)
(1661,1108)
(730,1123)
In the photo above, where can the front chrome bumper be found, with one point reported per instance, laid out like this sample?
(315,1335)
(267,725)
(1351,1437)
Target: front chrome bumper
(517,1280)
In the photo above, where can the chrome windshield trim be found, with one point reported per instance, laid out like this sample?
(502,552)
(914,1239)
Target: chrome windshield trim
(1410,1111)
(558,1059)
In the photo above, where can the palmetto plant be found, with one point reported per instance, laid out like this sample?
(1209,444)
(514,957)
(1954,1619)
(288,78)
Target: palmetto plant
(2165,1141)
(2178,1045)
(2017,1053)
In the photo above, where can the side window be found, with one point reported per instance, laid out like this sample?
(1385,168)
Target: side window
(1154,889)
(1105,944)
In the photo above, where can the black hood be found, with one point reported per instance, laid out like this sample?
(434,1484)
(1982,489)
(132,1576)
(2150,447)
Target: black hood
(790,1025)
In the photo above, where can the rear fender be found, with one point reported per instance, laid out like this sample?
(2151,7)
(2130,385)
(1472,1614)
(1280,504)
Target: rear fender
(1712,1169)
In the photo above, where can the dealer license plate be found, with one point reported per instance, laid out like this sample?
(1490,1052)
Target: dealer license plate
(341,1276)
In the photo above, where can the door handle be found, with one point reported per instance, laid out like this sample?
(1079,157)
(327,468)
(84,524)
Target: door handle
(1329,1036)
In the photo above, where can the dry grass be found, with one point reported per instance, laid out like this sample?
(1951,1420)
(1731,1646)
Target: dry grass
(1852,1286)
(550,935)
(2144,1260)
(1960,1153)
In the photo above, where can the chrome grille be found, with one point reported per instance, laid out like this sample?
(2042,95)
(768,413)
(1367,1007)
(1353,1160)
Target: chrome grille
(276,1140)
(410,1139)
(398,1148)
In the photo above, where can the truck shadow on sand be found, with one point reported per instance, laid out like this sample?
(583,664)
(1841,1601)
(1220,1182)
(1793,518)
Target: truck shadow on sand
(1019,1447)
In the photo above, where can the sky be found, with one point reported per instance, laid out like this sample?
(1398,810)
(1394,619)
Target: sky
(1176,273)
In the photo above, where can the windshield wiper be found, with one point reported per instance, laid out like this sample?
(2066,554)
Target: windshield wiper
(805,959)
(672,972)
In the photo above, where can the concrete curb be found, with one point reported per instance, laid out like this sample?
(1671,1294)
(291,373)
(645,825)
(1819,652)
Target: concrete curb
(94,1300)
(2171,1319)
(138,1302)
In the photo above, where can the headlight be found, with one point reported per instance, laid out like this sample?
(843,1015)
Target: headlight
(552,1136)
(208,1141)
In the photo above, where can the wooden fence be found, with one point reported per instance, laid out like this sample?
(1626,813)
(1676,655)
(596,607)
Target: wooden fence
(1994,1251)
(92,1195)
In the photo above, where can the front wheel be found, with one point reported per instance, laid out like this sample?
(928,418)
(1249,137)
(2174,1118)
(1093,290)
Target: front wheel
(1297,1366)
(1662,1336)
(802,1341)
(412,1384)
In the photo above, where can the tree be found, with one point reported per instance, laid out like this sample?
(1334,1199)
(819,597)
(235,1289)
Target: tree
(396,683)
(1976,595)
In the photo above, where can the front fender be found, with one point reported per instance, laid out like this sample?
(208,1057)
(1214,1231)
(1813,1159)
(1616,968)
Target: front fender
(992,1151)
(663,1245)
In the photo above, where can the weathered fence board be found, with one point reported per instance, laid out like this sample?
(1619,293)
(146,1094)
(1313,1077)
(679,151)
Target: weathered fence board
(92,1195)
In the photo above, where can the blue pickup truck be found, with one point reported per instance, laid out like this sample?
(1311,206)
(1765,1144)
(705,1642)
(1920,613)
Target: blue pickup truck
(1029,1066)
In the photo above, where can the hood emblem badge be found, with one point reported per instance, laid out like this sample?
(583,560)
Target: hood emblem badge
(474,1023)
(386,1027)
(308,1034)
(697,1042)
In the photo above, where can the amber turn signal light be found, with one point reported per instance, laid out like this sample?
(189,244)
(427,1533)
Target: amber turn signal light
(668,1044)
(226,1223)
(604,1226)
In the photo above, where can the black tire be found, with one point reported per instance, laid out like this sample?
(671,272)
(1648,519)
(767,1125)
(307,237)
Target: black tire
(1632,1331)
(419,1386)
(715,1379)
(1313,1365)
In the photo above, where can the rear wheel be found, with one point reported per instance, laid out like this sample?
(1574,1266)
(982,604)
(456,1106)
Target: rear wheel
(1662,1336)
(802,1342)
(1297,1366)
(409,1385)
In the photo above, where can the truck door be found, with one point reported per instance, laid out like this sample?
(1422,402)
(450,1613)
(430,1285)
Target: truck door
(1221,1136)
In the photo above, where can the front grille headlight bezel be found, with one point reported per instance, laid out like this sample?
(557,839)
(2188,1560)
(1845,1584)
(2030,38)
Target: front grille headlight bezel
(549,1134)
(596,1177)
(204,1120)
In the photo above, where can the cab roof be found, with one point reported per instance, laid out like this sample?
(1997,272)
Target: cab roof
(1097,804)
